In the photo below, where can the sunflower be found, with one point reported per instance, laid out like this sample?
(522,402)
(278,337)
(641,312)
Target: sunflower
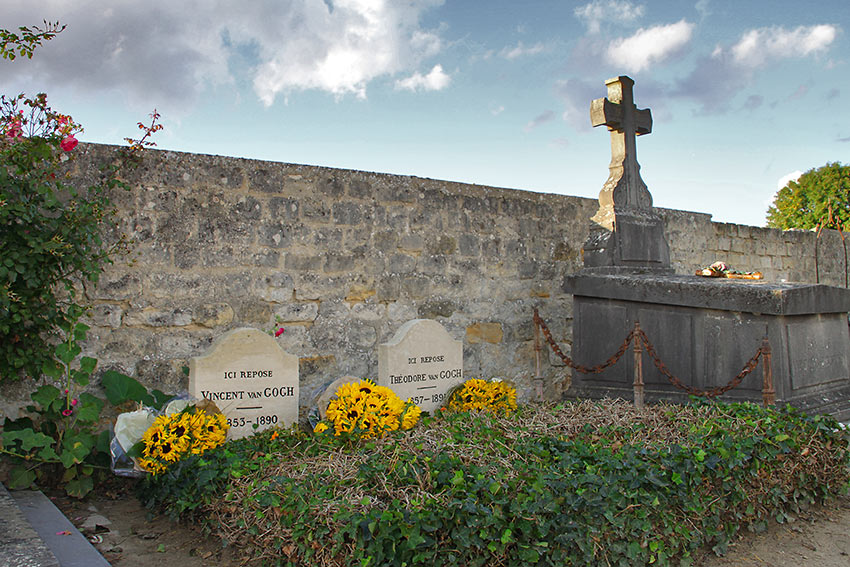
(171,437)
(479,395)
(366,410)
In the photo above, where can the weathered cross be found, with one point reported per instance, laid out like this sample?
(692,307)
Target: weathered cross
(625,121)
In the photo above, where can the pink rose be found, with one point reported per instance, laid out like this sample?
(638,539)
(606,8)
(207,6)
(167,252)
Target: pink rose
(74,402)
(69,143)
(15,130)
(67,412)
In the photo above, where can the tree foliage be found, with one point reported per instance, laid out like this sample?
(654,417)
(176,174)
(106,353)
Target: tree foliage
(820,197)
(50,233)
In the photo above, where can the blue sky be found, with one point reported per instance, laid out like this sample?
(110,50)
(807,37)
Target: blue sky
(742,93)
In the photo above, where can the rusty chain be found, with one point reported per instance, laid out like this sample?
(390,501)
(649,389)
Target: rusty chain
(568,361)
(733,383)
(650,350)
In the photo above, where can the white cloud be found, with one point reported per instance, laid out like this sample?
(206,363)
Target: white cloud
(716,79)
(436,80)
(788,177)
(601,12)
(650,45)
(161,49)
(758,46)
(341,50)
(576,95)
(539,120)
(521,50)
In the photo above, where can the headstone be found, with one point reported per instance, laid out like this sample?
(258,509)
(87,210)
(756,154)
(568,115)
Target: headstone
(251,380)
(626,235)
(422,362)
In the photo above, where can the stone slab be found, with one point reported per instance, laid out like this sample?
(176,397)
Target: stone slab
(66,543)
(750,296)
(705,341)
(20,545)
(422,362)
(251,380)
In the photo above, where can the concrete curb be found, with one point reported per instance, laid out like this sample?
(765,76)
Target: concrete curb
(20,545)
(37,534)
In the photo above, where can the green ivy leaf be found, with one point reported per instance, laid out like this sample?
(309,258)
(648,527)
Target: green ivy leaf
(29,439)
(80,486)
(120,388)
(67,352)
(88,364)
(89,408)
(21,478)
(45,395)
(160,399)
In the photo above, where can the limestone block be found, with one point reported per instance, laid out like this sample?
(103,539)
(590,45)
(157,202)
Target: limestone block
(251,311)
(106,315)
(401,264)
(435,307)
(369,311)
(213,315)
(283,208)
(302,262)
(117,285)
(484,332)
(360,292)
(276,235)
(443,245)
(359,188)
(160,317)
(400,311)
(297,312)
(385,241)
(411,243)
(361,335)
(276,287)
(347,213)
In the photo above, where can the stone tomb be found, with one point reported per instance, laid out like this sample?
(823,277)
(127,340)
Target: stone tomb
(251,380)
(705,330)
(422,362)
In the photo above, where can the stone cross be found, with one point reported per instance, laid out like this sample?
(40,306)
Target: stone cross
(626,234)
(624,120)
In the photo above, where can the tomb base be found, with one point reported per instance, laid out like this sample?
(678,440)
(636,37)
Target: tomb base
(705,331)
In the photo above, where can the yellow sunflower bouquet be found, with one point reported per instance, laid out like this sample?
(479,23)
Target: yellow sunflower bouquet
(365,411)
(480,395)
(173,436)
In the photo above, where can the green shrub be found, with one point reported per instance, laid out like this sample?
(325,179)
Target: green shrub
(576,484)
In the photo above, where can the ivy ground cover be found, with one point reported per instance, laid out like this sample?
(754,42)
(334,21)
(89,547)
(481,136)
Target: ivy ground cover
(590,483)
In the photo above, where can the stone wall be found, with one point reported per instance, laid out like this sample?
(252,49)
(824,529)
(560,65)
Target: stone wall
(343,258)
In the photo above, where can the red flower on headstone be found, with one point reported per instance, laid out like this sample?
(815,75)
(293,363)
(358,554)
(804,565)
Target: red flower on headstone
(279,332)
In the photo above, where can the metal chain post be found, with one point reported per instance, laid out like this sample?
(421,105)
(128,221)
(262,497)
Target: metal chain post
(768,393)
(638,382)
